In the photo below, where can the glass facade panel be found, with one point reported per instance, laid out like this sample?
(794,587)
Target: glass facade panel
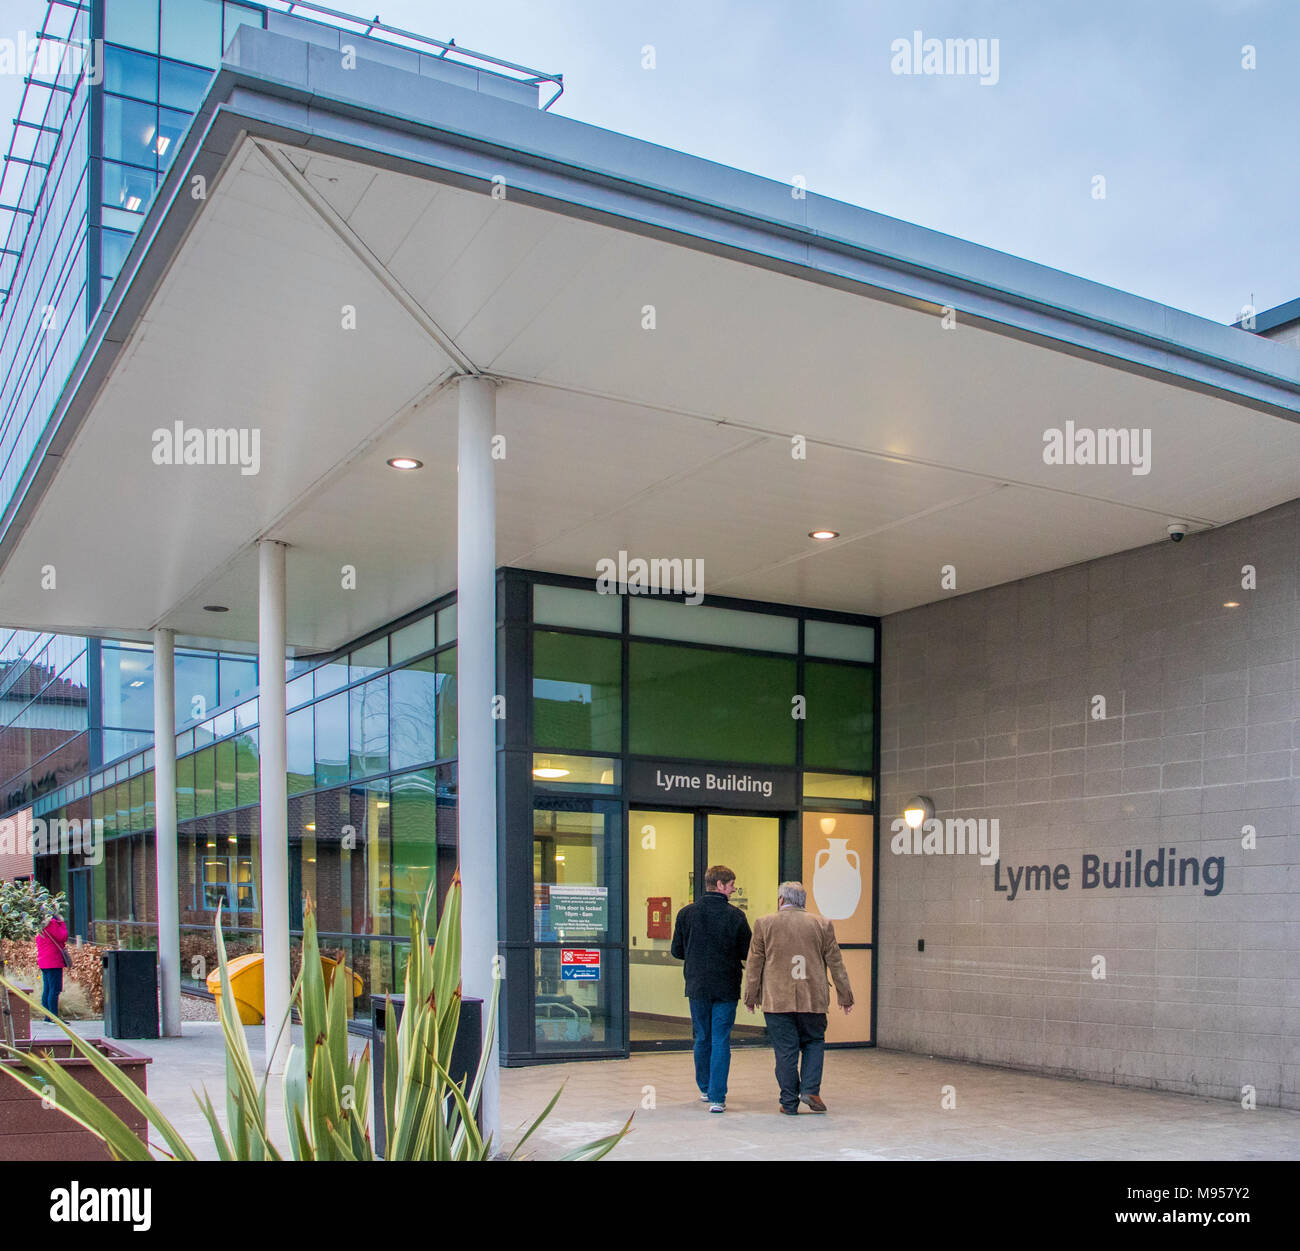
(837,786)
(581,773)
(577,692)
(127,688)
(185,789)
(446,624)
(423,843)
(412,640)
(205,778)
(130,131)
(247,777)
(300,756)
(131,74)
(191,31)
(132,22)
(238,678)
(225,755)
(368,728)
(727,627)
(447,724)
(837,641)
(838,732)
(182,86)
(332,740)
(196,687)
(582,610)
(329,678)
(368,659)
(710,705)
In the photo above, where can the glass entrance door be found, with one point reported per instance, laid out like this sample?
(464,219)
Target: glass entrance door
(668,853)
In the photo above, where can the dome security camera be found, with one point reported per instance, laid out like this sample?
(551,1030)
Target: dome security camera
(1177,531)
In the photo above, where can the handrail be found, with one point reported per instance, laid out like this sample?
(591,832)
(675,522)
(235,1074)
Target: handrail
(531,76)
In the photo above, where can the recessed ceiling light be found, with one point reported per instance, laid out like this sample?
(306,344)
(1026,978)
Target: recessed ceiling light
(405,462)
(215,608)
(1232,603)
(311,825)
(137,682)
(548,773)
(822,535)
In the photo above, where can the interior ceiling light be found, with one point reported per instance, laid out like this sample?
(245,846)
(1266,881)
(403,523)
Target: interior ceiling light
(546,772)
(405,462)
(918,811)
(215,608)
(823,535)
(137,682)
(1232,603)
(311,825)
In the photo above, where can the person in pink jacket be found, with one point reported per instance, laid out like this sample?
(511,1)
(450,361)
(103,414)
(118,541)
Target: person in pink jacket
(51,943)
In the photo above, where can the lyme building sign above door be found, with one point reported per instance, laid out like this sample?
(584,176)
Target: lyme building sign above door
(712,786)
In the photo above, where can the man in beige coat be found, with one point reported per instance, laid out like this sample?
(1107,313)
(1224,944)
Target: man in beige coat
(789,958)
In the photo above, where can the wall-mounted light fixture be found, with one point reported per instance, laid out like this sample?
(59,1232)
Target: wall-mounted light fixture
(918,810)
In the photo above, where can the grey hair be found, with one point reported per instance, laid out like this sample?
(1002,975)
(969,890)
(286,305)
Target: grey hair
(792,893)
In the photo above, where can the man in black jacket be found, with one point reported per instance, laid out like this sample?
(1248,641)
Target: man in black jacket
(713,938)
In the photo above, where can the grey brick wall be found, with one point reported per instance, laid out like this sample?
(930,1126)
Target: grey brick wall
(986,708)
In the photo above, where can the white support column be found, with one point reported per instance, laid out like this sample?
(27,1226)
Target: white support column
(164,788)
(476,687)
(274,806)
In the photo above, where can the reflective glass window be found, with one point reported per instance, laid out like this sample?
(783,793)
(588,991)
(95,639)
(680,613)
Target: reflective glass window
(182,86)
(332,740)
(300,760)
(131,74)
(126,688)
(577,691)
(247,777)
(238,678)
(196,687)
(584,610)
(225,758)
(191,31)
(130,131)
(412,640)
(205,779)
(413,713)
(838,731)
(132,22)
(711,705)
(368,728)
(172,124)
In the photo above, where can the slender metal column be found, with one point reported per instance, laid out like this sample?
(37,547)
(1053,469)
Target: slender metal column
(476,688)
(164,789)
(274,805)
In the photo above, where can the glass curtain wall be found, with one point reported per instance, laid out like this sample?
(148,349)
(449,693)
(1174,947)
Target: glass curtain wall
(372,808)
(614,682)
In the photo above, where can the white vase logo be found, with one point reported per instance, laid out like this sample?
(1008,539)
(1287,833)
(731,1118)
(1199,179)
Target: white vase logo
(837,880)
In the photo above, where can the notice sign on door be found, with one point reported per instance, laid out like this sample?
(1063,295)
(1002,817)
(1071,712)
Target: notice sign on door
(579,908)
(578,965)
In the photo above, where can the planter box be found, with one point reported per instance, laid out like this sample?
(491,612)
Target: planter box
(29,1131)
(22,1016)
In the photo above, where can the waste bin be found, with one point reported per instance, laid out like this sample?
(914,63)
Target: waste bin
(465,1052)
(131,994)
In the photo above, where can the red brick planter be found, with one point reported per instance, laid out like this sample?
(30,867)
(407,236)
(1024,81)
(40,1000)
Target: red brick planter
(29,1131)
(22,1016)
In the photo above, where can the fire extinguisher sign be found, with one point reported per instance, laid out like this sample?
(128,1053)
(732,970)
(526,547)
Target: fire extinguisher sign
(579,965)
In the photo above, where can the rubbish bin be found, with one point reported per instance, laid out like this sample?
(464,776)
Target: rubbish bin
(131,994)
(465,1052)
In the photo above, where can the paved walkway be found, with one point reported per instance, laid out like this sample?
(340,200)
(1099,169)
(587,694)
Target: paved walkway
(884,1105)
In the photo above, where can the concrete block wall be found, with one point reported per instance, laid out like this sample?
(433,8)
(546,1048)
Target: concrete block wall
(987,707)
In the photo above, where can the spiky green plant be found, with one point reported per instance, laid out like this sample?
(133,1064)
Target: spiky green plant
(427,1116)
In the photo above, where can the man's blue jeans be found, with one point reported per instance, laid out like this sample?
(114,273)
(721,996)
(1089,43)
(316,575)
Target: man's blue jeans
(712,1022)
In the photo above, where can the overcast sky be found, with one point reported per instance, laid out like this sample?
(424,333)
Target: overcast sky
(1198,153)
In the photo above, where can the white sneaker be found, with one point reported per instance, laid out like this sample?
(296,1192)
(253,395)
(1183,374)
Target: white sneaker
(704,1096)
(717,1107)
